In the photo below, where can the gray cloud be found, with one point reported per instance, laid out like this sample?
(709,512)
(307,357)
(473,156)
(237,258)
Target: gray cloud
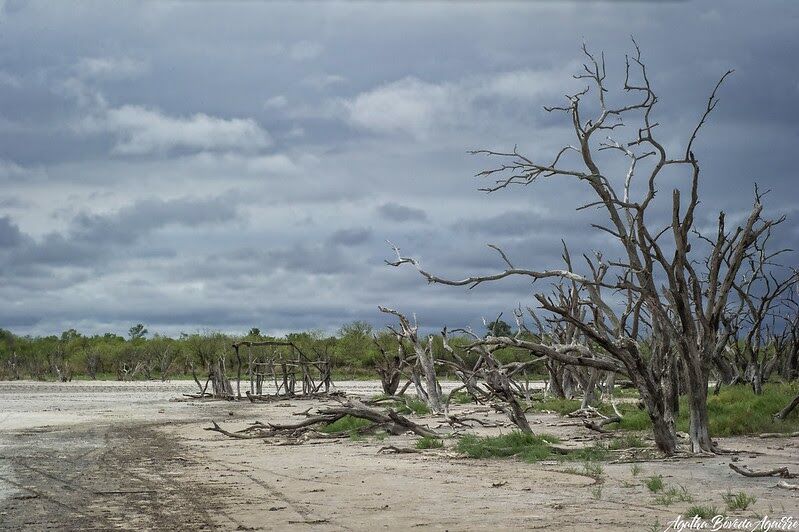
(10,235)
(119,149)
(400,213)
(351,237)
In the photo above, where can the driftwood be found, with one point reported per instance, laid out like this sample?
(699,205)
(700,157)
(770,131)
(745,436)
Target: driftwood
(390,421)
(273,398)
(779,435)
(598,425)
(397,450)
(776,472)
(785,412)
(787,486)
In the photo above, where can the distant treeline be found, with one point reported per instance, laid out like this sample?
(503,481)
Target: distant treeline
(354,351)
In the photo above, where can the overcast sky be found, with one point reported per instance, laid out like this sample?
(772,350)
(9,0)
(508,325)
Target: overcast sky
(198,166)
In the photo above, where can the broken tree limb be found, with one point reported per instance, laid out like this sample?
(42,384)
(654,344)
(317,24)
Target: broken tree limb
(785,412)
(776,472)
(599,425)
(397,450)
(237,435)
(779,435)
(389,421)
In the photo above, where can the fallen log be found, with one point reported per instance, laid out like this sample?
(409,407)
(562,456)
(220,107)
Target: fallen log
(776,472)
(779,435)
(397,450)
(599,425)
(390,421)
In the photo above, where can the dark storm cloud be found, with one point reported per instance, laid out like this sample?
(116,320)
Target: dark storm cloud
(91,237)
(125,127)
(395,212)
(144,216)
(10,235)
(351,237)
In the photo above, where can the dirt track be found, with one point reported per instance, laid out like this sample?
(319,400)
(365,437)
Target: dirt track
(91,456)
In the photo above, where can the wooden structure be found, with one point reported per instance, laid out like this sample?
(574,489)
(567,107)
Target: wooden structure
(282,365)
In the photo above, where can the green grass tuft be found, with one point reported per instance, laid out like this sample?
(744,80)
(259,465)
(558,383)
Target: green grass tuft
(413,406)
(593,470)
(346,424)
(460,398)
(654,483)
(738,501)
(703,512)
(626,441)
(561,406)
(526,446)
(672,495)
(427,442)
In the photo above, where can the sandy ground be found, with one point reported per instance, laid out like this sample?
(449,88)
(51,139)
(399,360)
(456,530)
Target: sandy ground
(103,456)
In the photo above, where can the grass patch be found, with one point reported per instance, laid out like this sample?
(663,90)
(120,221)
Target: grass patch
(626,441)
(554,404)
(593,453)
(460,398)
(349,424)
(427,442)
(738,501)
(672,495)
(528,447)
(635,469)
(593,470)
(654,483)
(413,406)
(703,512)
(735,411)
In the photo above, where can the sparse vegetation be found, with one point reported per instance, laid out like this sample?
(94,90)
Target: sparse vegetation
(412,405)
(672,495)
(528,447)
(738,501)
(654,483)
(427,442)
(593,470)
(350,424)
(703,512)
(626,441)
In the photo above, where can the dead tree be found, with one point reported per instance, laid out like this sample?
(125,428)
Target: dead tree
(390,367)
(786,341)
(220,384)
(424,371)
(389,420)
(752,339)
(489,380)
(677,281)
